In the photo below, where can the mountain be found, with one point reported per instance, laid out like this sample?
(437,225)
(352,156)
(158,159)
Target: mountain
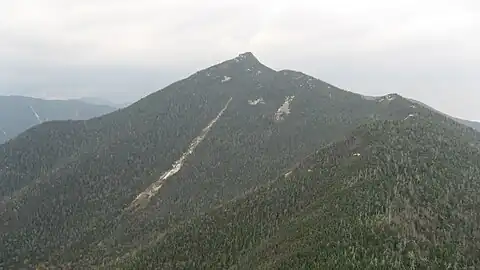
(18,113)
(101,101)
(85,194)
(392,195)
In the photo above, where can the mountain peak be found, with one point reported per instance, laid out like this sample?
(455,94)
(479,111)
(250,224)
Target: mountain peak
(246,57)
(245,61)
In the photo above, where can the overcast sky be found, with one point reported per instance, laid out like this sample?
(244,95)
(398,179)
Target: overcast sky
(124,49)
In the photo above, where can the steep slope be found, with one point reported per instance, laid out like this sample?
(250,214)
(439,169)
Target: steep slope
(82,193)
(393,195)
(18,113)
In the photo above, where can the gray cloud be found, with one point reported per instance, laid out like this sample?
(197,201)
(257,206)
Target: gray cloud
(123,50)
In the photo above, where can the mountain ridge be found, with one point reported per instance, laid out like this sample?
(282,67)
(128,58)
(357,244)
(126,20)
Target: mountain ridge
(101,101)
(470,123)
(19,113)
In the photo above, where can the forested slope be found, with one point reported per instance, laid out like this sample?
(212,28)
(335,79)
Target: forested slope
(393,195)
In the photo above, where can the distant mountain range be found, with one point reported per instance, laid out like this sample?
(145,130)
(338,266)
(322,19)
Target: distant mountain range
(101,101)
(19,113)
(240,166)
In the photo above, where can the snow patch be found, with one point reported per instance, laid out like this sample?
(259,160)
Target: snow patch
(259,72)
(356,154)
(144,197)
(284,109)
(288,174)
(388,98)
(4,133)
(391,97)
(226,79)
(256,101)
(409,116)
(36,114)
